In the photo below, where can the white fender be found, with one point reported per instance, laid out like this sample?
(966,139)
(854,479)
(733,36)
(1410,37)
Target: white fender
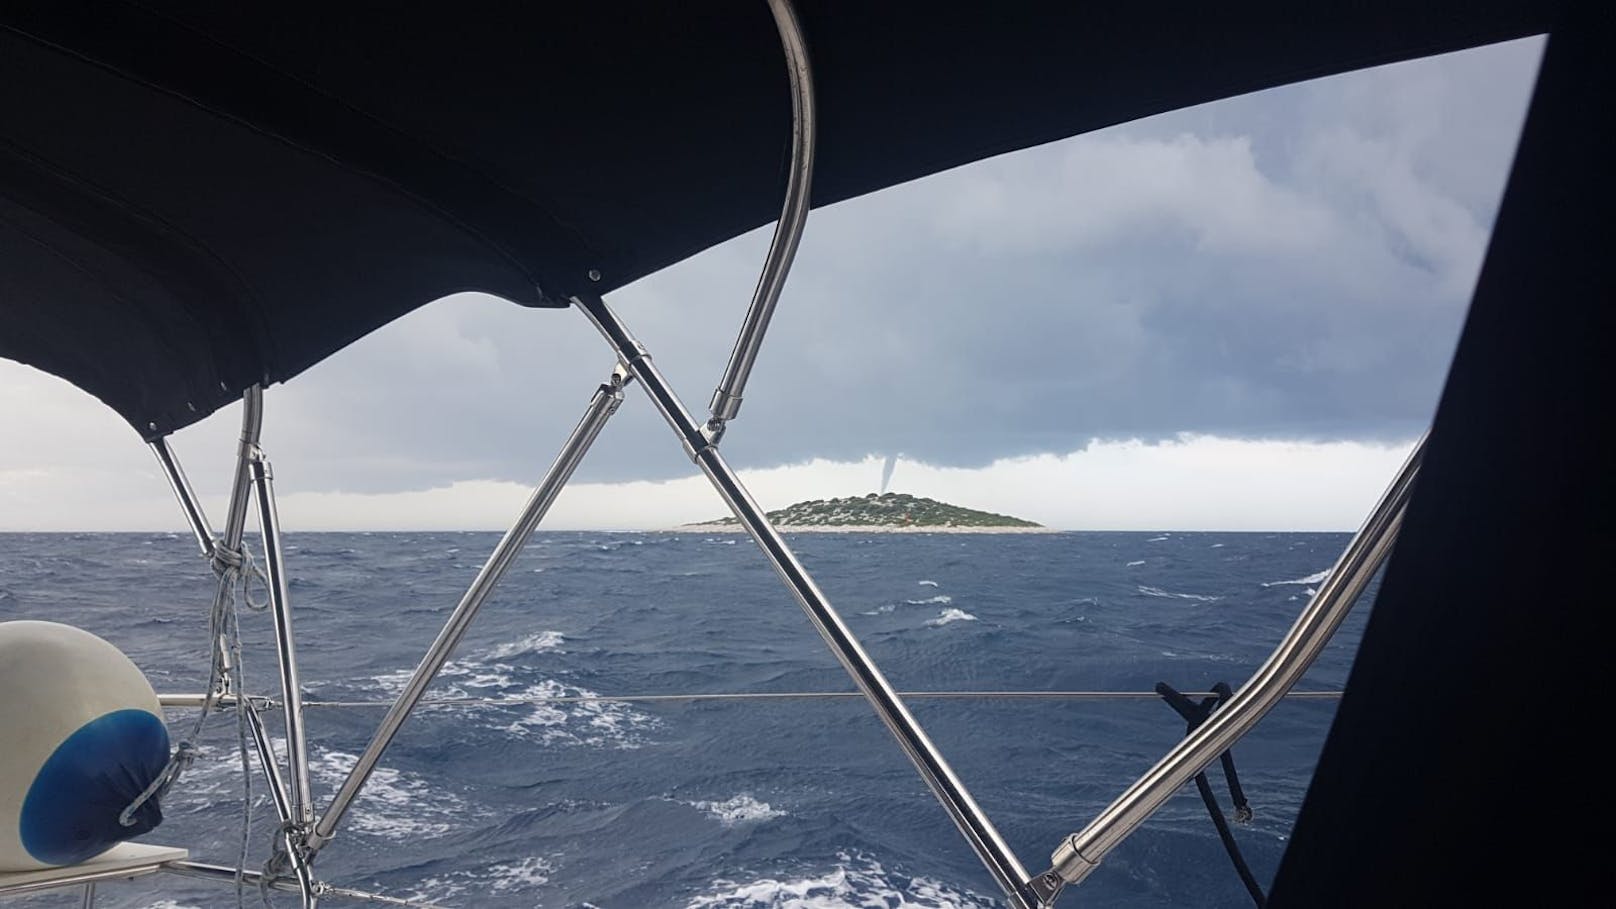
(81,735)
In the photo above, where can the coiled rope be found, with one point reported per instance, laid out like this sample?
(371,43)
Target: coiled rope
(236,572)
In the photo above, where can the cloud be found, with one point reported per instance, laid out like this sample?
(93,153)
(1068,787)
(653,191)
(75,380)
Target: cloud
(1111,190)
(1186,483)
(1290,265)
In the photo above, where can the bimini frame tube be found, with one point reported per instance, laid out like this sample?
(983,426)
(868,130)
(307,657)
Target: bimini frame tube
(252,424)
(280,598)
(967,816)
(605,403)
(189,503)
(726,403)
(1081,852)
(252,419)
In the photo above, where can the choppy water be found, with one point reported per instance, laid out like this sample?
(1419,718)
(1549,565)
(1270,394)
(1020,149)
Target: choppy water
(776,803)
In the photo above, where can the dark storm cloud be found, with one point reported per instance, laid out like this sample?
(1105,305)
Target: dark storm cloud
(1290,264)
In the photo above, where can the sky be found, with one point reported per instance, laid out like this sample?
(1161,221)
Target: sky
(1236,316)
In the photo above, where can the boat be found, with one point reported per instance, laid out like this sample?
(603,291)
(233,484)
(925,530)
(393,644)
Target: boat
(198,201)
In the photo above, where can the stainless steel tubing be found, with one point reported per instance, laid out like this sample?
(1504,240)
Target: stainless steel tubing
(252,422)
(297,854)
(726,401)
(605,403)
(933,768)
(266,757)
(1080,853)
(297,759)
(223,874)
(195,700)
(89,895)
(226,875)
(200,528)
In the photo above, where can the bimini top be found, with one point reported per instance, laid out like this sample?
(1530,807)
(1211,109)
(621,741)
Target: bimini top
(198,196)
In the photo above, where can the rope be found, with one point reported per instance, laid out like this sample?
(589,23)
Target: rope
(1194,715)
(236,572)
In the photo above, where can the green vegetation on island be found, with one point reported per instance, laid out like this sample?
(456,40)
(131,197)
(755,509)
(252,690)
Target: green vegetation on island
(892,509)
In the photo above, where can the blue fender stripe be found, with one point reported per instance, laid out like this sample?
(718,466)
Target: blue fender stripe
(71,811)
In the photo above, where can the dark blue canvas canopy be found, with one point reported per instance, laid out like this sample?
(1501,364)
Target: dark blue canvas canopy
(197,196)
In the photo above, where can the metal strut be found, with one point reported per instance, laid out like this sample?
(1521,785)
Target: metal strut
(972,822)
(292,804)
(299,801)
(726,403)
(601,407)
(1079,854)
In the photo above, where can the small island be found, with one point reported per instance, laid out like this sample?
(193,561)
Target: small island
(886,512)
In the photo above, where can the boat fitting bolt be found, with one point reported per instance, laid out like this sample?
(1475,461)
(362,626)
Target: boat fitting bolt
(594,275)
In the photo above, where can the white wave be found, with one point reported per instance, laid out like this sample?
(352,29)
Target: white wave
(437,889)
(1216,546)
(455,680)
(544,641)
(1135,563)
(855,883)
(503,878)
(394,805)
(927,583)
(593,723)
(1158,592)
(1316,578)
(1159,539)
(881,610)
(942,599)
(523,875)
(738,810)
(951,615)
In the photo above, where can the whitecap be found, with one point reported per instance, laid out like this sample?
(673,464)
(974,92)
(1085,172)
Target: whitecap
(543,642)
(1159,539)
(455,680)
(942,599)
(739,810)
(522,875)
(1315,578)
(592,723)
(951,615)
(1136,563)
(394,805)
(1158,592)
(502,877)
(856,882)
(927,583)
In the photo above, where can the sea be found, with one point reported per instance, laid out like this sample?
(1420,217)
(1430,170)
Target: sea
(804,803)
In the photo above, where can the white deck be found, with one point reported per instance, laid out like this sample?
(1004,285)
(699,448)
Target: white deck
(122,860)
